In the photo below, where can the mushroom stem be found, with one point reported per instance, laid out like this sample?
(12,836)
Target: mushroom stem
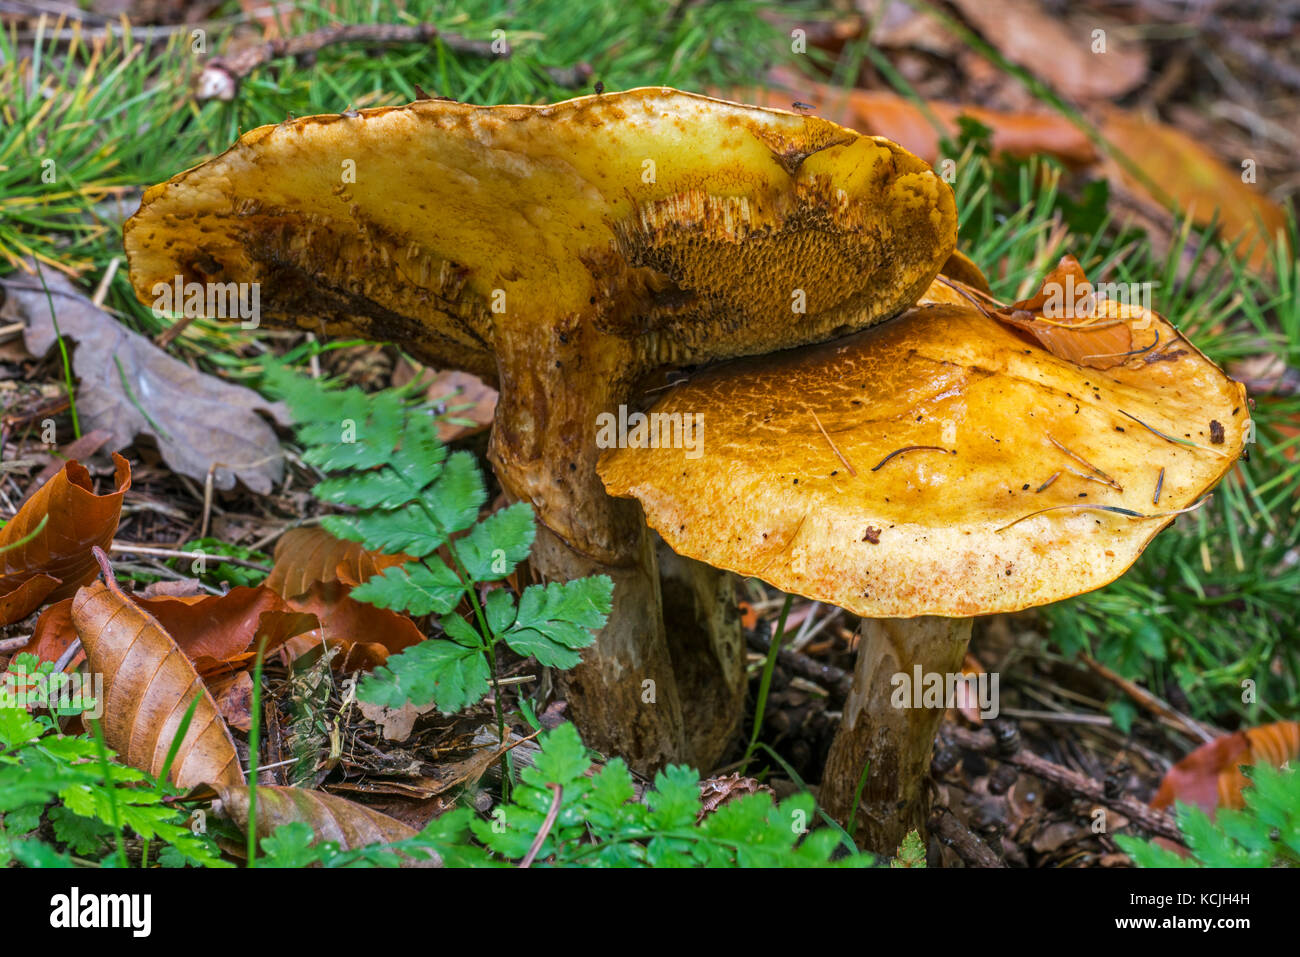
(623,696)
(702,622)
(883,726)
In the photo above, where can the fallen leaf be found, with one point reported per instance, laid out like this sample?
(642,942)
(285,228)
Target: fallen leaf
(331,818)
(966,694)
(219,634)
(148,686)
(53,633)
(397,723)
(128,387)
(76,450)
(1210,777)
(748,616)
(235,701)
(717,791)
(310,555)
(221,628)
(470,403)
(55,560)
(1072,323)
(364,634)
(1062,50)
(1196,180)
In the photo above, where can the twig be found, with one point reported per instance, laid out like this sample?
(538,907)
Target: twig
(969,847)
(13,644)
(1145,817)
(836,681)
(221,76)
(133,549)
(69,653)
(547,824)
(1149,701)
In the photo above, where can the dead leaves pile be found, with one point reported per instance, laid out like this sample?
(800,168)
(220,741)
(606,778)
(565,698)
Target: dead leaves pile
(166,655)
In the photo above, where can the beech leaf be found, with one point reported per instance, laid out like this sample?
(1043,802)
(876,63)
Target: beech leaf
(128,387)
(148,686)
(48,562)
(330,817)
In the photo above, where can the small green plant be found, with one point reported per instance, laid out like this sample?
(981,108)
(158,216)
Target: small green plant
(1266,833)
(61,805)
(911,853)
(408,496)
(563,815)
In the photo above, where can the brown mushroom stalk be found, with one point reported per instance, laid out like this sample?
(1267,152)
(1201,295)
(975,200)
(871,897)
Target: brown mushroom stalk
(929,541)
(566,251)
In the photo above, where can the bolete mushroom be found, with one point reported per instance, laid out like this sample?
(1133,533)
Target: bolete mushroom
(943,465)
(563,252)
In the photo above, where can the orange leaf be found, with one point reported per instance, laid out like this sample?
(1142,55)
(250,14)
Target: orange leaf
(148,686)
(306,556)
(454,389)
(1070,322)
(1210,776)
(1196,180)
(57,560)
(218,633)
(365,634)
(221,628)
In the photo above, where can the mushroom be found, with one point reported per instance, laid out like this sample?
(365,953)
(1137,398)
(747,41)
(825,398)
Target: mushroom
(563,252)
(925,471)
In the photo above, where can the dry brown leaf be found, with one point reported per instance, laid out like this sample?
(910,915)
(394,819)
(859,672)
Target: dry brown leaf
(219,634)
(222,630)
(365,635)
(1066,51)
(331,818)
(308,555)
(1196,180)
(465,397)
(717,791)
(128,387)
(234,696)
(57,560)
(1210,777)
(53,634)
(148,686)
(397,723)
(1072,323)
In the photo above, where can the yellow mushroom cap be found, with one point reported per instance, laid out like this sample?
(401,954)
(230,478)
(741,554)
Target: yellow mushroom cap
(953,423)
(699,228)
